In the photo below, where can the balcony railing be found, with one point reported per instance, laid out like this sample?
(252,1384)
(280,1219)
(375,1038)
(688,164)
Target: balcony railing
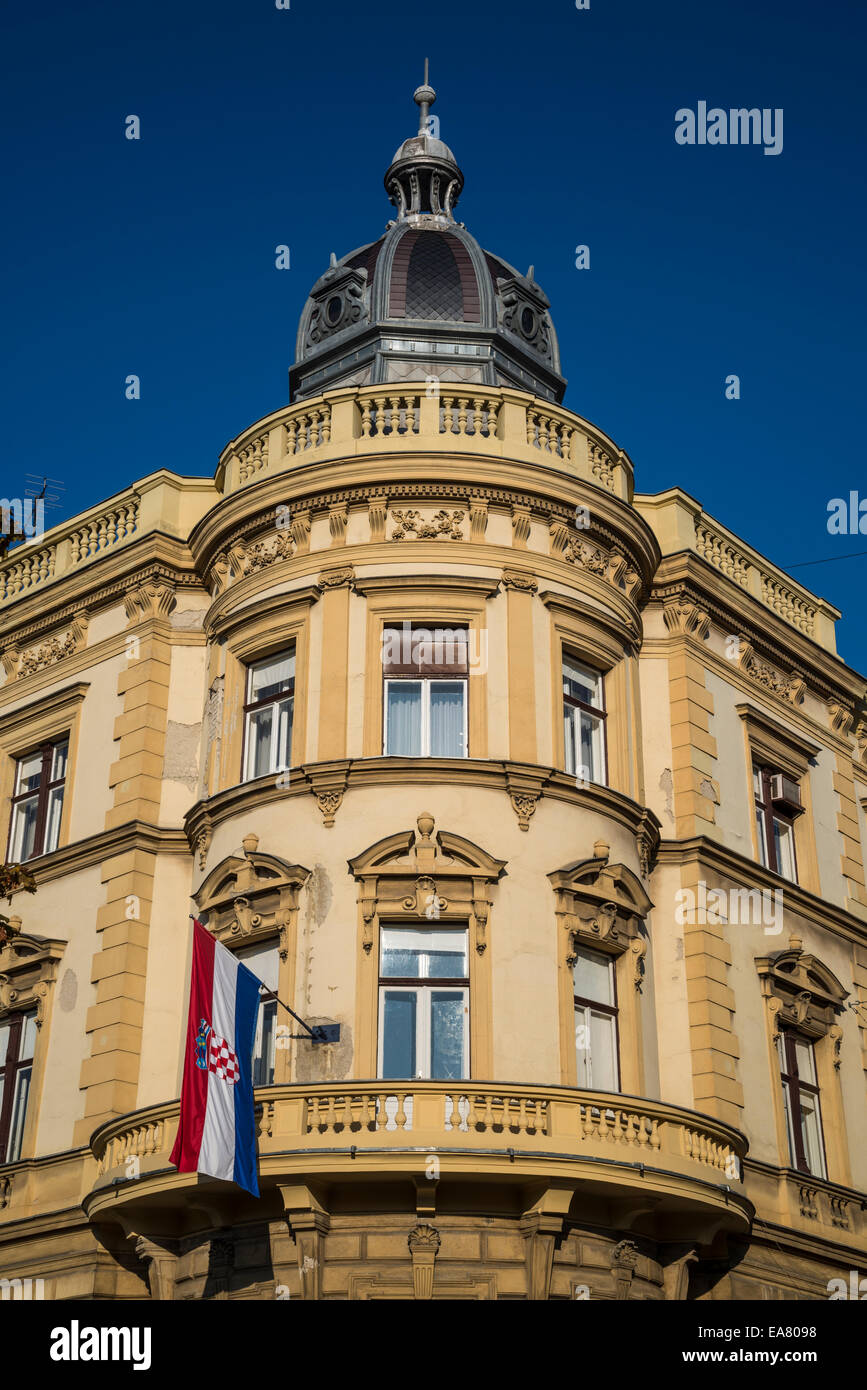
(387,1128)
(372,419)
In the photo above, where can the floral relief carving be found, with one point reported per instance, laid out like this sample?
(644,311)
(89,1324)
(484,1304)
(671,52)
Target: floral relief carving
(789,687)
(244,557)
(443,524)
(19,664)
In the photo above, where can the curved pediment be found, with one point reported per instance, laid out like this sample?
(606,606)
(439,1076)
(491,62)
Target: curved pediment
(422,851)
(597,881)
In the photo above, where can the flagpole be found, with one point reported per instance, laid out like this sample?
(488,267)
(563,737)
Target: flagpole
(317,1034)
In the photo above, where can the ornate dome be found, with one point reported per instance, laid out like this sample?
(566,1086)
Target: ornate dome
(425,300)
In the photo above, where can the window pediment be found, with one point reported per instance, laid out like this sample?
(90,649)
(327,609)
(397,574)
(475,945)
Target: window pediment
(253,897)
(422,875)
(601,905)
(801,991)
(28,967)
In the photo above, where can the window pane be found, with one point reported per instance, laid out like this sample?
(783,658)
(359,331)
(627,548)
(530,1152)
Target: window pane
(784,846)
(592,756)
(447,1035)
(603,1052)
(757,783)
(447,719)
(19,1110)
(5,1029)
(582,1044)
(259,743)
(806,1060)
(58,761)
(413,953)
(264,1045)
(582,683)
(763,838)
(593,977)
(52,822)
(283,751)
(569,717)
(787,1107)
(403,719)
(811,1133)
(263,962)
(271,677)
(24,830)
(29,773)
(399,1012)
(27,1043)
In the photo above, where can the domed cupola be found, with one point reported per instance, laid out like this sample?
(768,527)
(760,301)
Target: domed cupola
(425,300)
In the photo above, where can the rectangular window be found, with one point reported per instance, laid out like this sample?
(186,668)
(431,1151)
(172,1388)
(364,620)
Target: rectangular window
(584,722)
(423,1004)
(37,801)
(596,1047)
(425,703)
(268,715)
(776,799)
(264,962)
(17,1044)
(801,1103)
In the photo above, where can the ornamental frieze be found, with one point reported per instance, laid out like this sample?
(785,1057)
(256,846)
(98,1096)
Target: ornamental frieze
(442,524)
(246,557)
(787,686)
(18,664)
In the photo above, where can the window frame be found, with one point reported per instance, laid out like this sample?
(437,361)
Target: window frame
(9,1073)
(252,706)
(765,809)
(42,793)
(426,682)
(611,1010)
(597,712)
(423,985)
(793,1085)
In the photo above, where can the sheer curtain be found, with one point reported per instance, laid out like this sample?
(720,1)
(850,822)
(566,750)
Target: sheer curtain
(404,719)
(447,719)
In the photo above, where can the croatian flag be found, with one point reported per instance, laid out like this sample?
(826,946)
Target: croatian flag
(217,1131)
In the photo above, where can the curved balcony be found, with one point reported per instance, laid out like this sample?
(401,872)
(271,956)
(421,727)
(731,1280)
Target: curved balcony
(631,1163)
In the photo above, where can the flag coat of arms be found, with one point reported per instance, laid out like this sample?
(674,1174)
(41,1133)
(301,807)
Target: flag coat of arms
(217,1130)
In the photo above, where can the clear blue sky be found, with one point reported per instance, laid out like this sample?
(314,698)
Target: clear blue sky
(263,126)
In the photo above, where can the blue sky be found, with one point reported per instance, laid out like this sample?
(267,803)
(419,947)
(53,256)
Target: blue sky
(263,126)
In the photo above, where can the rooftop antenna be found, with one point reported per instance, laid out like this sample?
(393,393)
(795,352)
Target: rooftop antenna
(424,97)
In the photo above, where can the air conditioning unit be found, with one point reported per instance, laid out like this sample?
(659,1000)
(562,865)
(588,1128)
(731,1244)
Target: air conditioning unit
(786,793)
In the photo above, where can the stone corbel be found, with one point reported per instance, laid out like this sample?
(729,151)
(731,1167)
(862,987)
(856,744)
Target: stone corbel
(424,1242)
(11,658)
(684,618)
(202,842)
(675,1276)
(377,515)
(520,527)
(337,520)
(367,903)
(308,1223)
(517,579)
(161,1264)
(617,567)
(481,907)
(841,718)
(328,787)
(542,1228)
(478,509)
(639,951)
(525,791)
(300,528)
(558,536)
(624,1258)
(835,1033)
(151,601)
(335,579)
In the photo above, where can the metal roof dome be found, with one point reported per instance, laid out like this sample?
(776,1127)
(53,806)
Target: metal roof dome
(425,300)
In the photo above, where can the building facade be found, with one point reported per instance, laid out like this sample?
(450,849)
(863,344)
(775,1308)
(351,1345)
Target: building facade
(549,793)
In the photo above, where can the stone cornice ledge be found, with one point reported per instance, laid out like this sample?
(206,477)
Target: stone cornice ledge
(701,849)
(96,849)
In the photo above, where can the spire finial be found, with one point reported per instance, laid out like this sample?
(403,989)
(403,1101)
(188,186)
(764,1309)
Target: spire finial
(424,97)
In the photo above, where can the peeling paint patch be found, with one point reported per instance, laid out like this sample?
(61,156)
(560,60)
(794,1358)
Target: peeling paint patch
(666,786)
(189,619)
(325,1061)
(319,894)
(181,762)
(67,995)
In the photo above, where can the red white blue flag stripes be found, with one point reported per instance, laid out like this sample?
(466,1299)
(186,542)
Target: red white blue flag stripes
(217,1130)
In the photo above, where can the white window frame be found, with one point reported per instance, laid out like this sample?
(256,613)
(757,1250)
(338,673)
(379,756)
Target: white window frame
(583,1013)
(425,682)
(275,763)
(572,746)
